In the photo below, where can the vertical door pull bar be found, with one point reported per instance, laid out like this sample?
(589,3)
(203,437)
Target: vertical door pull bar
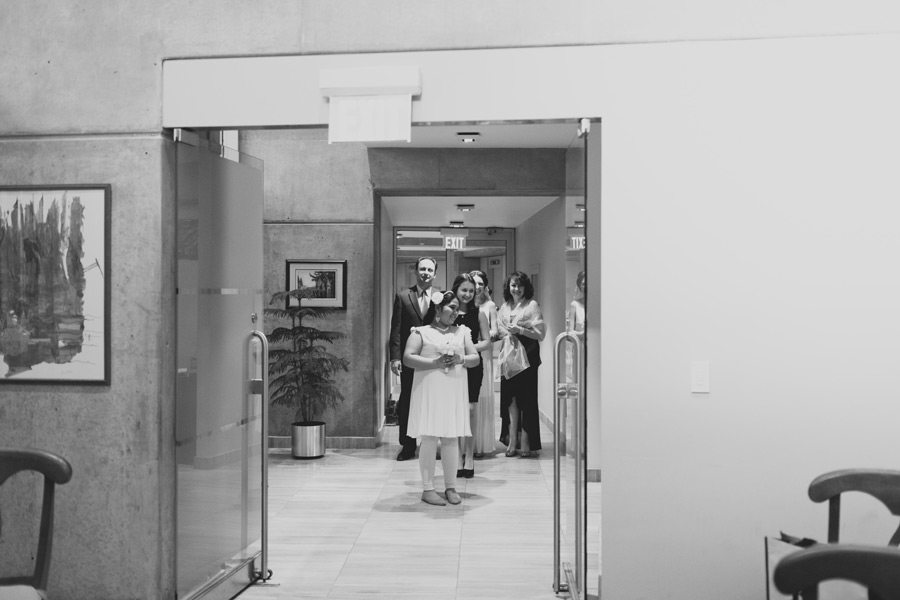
(261,386)
(580,441)
(562,393)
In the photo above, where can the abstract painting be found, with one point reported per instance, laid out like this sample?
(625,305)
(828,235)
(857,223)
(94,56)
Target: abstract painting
(54,284)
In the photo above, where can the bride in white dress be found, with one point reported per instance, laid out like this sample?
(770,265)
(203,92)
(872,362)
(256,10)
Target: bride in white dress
(484,416)
(439,399)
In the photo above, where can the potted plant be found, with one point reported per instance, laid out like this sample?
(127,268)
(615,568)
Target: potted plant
(302,369)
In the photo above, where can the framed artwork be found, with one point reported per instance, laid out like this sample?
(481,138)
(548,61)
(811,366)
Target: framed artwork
(326,280)
(55,284)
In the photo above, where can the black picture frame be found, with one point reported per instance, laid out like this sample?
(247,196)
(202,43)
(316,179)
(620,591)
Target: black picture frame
(329,275)
(55,284)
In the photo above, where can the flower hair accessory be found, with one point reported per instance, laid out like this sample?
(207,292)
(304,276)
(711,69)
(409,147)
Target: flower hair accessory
(437,297)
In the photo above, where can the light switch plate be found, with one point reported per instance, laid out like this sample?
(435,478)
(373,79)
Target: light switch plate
(700,377)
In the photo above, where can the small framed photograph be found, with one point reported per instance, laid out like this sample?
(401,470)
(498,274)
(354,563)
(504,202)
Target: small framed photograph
(55,284)
(326,280)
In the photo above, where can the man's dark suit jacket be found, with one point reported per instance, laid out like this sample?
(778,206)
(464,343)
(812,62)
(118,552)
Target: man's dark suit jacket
(406,315)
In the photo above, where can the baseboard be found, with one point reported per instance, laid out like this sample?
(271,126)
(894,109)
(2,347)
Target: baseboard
(333,442)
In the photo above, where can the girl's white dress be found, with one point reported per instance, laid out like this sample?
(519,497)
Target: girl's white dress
(439,401)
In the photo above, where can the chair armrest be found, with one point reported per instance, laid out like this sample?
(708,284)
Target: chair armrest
(882,484)
(52,466)
(876,568)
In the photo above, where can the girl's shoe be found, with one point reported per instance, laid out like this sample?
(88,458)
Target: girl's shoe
(452,496)
(432,497)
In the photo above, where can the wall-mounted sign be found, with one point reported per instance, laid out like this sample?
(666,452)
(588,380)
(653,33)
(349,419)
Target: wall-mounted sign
(577,242)
(454,237)
(454,242)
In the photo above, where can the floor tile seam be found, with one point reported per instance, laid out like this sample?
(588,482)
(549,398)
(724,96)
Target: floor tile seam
(366,521)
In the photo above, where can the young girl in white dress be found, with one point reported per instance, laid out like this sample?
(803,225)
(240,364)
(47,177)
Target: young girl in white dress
(484,416)
(439,400)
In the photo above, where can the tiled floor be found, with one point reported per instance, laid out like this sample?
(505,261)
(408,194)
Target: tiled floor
(351,525)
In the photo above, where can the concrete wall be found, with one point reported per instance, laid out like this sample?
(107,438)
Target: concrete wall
(319,206)
(119,439)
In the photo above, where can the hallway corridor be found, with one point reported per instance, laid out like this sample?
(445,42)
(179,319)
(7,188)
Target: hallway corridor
(351,525)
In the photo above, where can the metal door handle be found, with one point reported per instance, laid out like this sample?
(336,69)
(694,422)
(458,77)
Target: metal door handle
(260,386)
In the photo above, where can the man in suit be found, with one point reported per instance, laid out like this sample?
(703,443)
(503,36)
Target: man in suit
(412,308)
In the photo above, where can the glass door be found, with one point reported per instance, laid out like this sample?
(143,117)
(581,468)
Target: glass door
(570,460)
(220,404)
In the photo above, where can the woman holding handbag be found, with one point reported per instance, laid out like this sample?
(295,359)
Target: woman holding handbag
(521,324)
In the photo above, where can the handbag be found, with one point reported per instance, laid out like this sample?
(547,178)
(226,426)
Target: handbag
(513,359)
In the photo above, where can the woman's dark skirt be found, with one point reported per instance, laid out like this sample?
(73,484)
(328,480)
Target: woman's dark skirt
(523,387)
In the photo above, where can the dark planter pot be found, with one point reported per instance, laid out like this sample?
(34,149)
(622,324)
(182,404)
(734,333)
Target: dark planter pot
(308,439)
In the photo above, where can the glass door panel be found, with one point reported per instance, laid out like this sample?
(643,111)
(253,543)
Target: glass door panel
(569,422)
(218,423)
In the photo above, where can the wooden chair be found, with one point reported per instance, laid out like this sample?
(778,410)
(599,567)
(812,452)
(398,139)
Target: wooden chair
(882,484)
(56,470)
(874,567)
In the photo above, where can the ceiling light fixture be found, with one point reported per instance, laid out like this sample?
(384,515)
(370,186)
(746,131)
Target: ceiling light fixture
(579,223)
(468,137)
(456,224)
(465,207)
(579,207)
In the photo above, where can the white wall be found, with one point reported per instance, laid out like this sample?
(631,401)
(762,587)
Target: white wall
(750,210)
(541,249)
(385,300)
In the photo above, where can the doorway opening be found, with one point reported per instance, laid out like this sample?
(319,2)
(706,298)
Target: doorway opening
(551,227)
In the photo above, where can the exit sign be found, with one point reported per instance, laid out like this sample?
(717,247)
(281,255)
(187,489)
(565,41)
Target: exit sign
(454,242)
(577,242)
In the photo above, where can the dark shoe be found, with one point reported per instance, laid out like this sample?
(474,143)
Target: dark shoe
(406,454)
(510,453)
(467,473)
(460,472)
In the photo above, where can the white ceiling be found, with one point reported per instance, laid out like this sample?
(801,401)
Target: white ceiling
(490,211)
(491,135)
(438,211)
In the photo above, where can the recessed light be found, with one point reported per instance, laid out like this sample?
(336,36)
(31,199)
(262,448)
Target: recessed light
(579,223)
(465,207)
(456,224)
(468,137)
(579,207)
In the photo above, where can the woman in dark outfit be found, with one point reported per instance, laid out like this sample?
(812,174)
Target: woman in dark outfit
(476,321)
(520,315)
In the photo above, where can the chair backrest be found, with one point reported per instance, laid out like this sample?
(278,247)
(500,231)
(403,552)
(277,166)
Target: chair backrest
(56,470)
(882,484)
(875,568)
